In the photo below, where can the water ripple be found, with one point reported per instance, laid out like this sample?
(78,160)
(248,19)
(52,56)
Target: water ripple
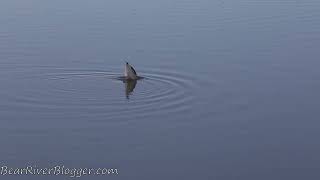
(99,93)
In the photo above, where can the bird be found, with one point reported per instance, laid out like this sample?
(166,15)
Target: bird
(129,72)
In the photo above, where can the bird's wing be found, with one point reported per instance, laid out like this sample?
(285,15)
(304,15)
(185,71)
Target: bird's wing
(134,71)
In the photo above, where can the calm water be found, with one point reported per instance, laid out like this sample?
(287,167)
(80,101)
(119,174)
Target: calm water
(230,89)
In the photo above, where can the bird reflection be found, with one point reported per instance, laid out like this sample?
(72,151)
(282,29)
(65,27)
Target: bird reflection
(129,87)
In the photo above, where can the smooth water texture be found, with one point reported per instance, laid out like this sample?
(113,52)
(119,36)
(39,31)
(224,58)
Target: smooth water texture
(230,88)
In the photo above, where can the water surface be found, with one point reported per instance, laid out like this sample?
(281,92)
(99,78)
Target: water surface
(230,88)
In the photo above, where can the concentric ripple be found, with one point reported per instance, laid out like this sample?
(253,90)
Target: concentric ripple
(100,95)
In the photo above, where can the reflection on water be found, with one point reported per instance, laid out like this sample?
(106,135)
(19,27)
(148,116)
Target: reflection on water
(129,84)
(129,87)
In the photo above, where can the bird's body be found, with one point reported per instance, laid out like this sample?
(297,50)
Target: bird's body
(130,73)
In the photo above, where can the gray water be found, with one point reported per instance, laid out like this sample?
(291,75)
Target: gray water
(230,89)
